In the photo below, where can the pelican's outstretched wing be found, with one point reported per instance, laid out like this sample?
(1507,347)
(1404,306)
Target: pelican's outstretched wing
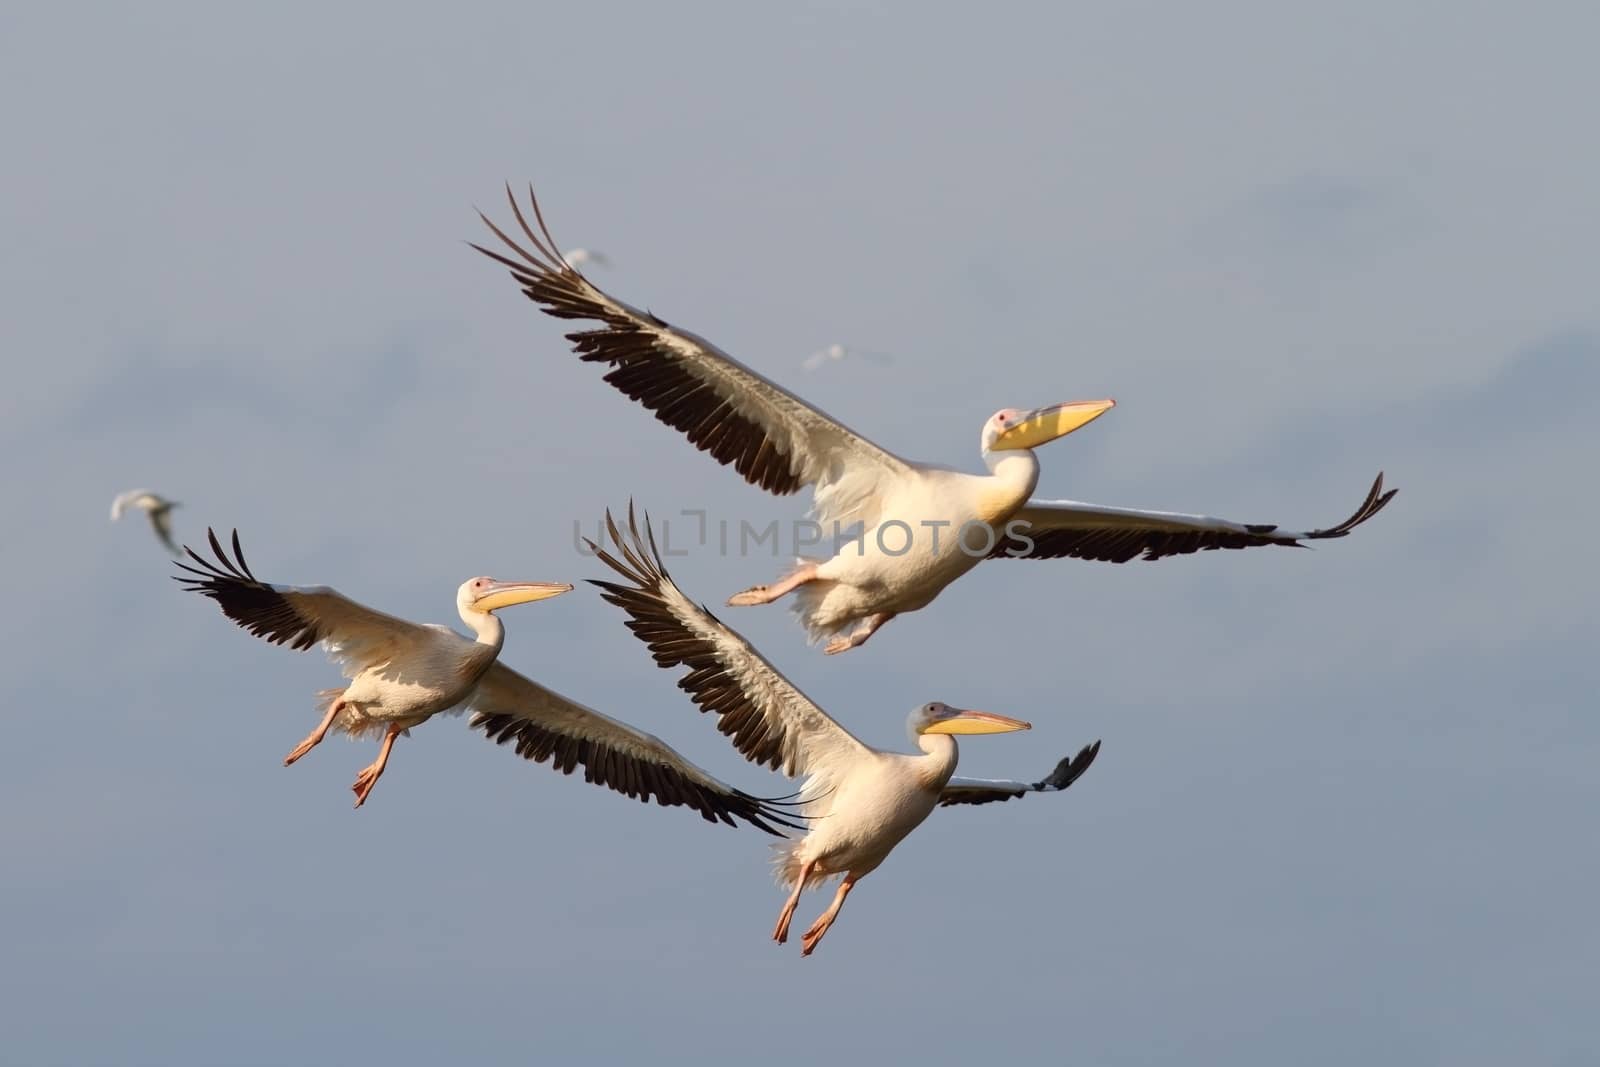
(771,722)
(769,435)
(548,726)
(1059,528)
(353,634)
(984,791)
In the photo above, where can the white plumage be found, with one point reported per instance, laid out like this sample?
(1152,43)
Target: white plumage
(860,801)
(778,441)
(577,257)
(157,509)
(403,673)
(836,352)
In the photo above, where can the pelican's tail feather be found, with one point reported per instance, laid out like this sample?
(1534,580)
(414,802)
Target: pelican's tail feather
(819,606)
(787,861)
(350,721)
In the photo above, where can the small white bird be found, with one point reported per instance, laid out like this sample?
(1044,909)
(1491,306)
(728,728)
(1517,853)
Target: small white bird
(577,257)
(835,352)
(156,507)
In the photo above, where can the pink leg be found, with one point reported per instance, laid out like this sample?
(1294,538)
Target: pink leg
(780,933)
(314,738)
(859,637)
(369,777)
(825,920)
(766,594)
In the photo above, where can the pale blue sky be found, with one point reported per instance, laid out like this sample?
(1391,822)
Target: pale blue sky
(1345,807)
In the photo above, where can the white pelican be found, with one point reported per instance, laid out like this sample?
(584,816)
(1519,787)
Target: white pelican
(920,526)
(156,507)
(403,673)
(835,352)
(577,257)
(861,802)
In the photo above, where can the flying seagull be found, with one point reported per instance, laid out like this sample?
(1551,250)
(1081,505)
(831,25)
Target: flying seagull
(577,257)
(157,508)
(835,352)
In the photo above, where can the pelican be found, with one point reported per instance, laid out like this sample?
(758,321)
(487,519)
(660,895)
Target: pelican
(403,673)
(157,508)
(577,257)
(860,801)
(835,352)
(910,529)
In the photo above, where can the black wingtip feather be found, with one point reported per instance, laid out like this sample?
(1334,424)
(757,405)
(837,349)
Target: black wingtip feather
(1375,502)
(708,682)
(1122,545)
(254,605)
(643,366)
(1070,769)
(641,779)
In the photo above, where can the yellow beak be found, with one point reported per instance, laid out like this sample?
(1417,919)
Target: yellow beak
(1046,424)
(505,594)
(976,722)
